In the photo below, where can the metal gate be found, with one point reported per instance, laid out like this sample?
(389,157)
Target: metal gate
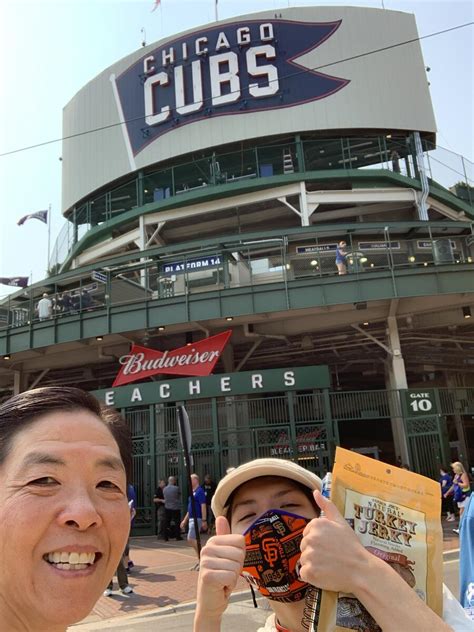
(426,430)
(301,427)
(426,443)
(143,472)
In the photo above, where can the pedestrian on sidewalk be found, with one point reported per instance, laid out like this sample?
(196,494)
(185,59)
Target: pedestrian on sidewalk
(282,498)
(172,496)
(123,566)
(132,503)
(461,488)
(446,483)
(209,488)
(201,515)
(122,579)
(159,501)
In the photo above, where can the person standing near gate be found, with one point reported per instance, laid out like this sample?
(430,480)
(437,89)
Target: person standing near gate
(209,488)
(201,515)
(159,501)
(172,496)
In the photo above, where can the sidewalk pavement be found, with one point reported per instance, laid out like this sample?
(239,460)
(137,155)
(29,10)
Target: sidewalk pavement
(162,580)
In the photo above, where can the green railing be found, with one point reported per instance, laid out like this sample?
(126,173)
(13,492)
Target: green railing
(228,167)
(272,258)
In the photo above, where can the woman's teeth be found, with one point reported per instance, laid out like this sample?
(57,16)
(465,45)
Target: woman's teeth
(70,561)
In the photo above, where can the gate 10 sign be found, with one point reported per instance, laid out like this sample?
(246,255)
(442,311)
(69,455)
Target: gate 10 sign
(421,402)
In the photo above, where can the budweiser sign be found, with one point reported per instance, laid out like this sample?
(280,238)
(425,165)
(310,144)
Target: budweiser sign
(196,359)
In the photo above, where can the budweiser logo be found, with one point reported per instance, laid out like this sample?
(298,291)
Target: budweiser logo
(198,359)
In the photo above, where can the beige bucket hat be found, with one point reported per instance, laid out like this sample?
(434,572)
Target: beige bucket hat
(254,469)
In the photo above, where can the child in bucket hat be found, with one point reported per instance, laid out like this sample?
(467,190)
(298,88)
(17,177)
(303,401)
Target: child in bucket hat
(274,528)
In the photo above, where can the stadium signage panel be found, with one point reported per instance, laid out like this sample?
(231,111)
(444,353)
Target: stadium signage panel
(234,68)
(428,245)
(305,444)
(320,248)
(421,402)
(379,245)
(227,384)
(195,359)
(179,267)
(99,276)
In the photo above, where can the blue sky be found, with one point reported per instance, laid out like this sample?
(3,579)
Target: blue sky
(50,49)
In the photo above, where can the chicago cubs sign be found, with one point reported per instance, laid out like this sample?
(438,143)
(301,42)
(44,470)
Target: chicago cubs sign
(227,69)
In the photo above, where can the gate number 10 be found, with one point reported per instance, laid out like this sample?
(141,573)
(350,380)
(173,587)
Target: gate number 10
(423,405)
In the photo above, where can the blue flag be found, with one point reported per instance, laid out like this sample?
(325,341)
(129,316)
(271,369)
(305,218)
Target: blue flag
(466,559)
(14,281)
(41,215)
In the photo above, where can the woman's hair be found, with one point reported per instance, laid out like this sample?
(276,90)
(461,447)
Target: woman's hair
(302,488)
(22,410)
(459,466)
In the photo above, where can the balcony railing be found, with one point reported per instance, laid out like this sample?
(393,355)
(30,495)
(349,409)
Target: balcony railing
(262,162)
(226,263)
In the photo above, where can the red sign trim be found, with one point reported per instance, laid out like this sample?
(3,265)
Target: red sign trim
(198,359)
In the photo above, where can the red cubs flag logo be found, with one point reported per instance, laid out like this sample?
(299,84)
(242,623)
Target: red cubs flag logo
(197,359)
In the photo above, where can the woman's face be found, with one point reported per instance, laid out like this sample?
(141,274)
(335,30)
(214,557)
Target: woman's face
(254,498)
(62,497)
(456,469)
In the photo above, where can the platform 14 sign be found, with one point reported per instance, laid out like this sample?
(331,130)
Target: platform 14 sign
(231,68)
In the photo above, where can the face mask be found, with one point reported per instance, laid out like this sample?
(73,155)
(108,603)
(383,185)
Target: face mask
(272,559)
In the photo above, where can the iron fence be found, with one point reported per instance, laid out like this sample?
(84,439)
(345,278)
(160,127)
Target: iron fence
(450,170)
(301,254)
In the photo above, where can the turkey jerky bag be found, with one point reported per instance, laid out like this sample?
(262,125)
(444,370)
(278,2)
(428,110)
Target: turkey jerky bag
(396,516)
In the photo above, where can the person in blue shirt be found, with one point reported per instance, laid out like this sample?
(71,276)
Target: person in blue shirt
(466,559)
(341,258)
(201,514)
(446,483)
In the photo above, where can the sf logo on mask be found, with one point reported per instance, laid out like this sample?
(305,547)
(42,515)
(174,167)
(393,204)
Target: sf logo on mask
(270,550)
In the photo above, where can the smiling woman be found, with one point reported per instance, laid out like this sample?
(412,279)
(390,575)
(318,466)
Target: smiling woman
(64,515)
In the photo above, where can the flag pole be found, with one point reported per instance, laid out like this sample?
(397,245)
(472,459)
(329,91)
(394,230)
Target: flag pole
(49,237)
(217,16)
(185,435)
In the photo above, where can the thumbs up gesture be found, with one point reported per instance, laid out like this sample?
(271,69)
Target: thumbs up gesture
(220,566)
(332,557)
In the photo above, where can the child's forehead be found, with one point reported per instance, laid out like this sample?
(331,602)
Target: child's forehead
(264,486)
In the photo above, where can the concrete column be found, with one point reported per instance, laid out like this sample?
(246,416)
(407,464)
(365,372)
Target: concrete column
(234,457)
(20,383)
(458,423)
(396,379)
(142,245)
(304,205)
(227,357)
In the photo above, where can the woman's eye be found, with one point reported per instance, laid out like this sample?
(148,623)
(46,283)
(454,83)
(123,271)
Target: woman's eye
(45,481)
(109,485)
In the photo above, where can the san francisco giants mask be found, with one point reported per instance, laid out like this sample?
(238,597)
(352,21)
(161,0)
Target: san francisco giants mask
(272,557)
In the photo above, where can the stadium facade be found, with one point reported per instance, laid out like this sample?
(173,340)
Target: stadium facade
(225,165)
